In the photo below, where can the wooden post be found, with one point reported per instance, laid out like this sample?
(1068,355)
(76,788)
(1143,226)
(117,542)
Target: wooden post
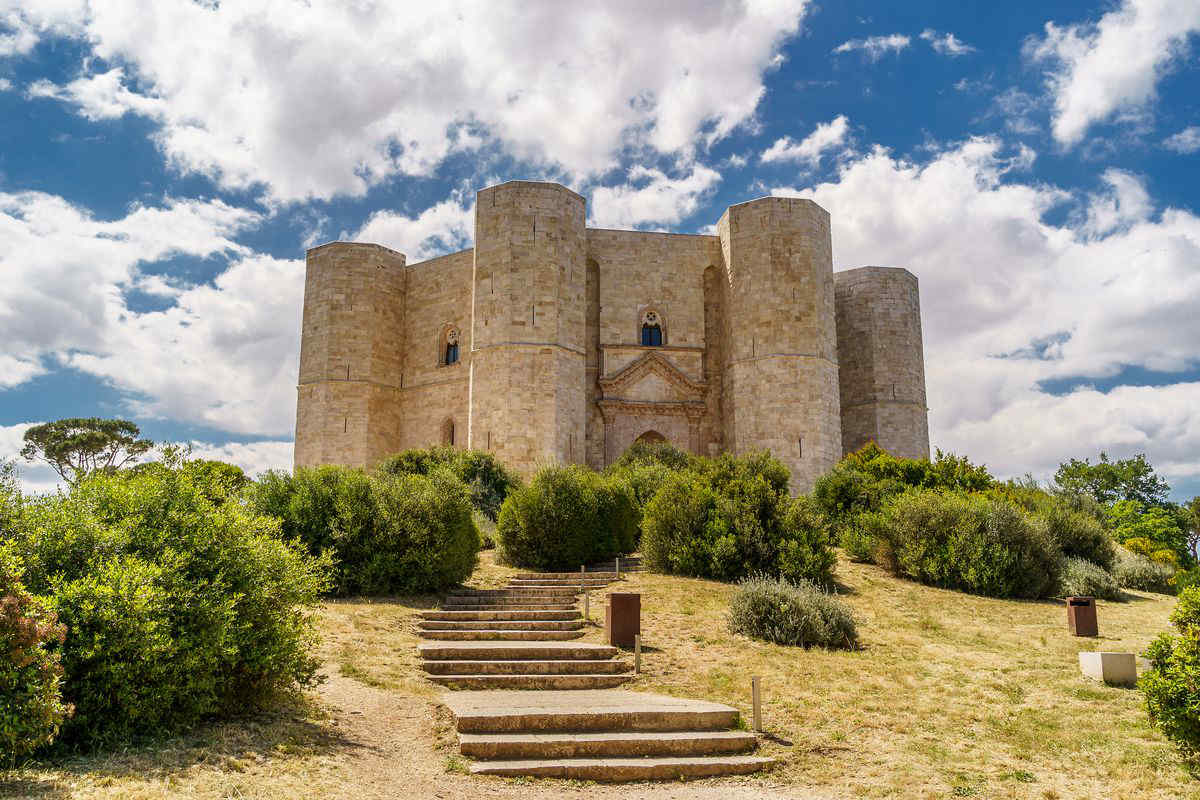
(618,568)
(587,606)
(757,700)
(637,655)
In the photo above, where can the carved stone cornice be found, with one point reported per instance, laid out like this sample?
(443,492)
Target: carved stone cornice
(690,394)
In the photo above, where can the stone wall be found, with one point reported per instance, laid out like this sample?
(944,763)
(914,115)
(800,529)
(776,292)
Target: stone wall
(434,394)
(527,387)
(780,379)
(882,377)
(351,354)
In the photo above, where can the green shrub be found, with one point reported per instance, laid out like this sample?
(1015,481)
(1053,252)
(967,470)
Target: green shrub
(1185,578)
(664,454)
(565,517)
(1079,535)
(734,517)
(422,537)
(388,533)
(1172,699)
(177,607)
(488,481)
(973,543)
(1082,578)
(1134,571)
(31,703)
(861,537)
(801,613)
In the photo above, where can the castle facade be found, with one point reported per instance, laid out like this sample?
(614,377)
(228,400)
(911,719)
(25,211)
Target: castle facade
(553,342)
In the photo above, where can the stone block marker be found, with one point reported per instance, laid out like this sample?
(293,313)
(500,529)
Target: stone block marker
(622,618)
(1117,669)
(1081,616)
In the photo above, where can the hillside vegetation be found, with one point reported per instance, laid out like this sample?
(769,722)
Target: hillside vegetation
(949,695)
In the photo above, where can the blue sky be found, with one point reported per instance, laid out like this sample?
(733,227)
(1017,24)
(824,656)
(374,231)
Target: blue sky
(1037,165)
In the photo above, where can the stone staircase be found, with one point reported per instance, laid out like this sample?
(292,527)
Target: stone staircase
(600,735)
(518,637)
(498,643)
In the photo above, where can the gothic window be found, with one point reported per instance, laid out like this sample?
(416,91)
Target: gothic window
(450,346)
(652,333)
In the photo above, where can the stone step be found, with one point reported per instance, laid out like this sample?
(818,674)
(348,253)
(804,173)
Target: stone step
(560,712)
(624,769)
(537,576)
(553,682)
(514,651)
(466,607)
(552,666)
(502,625)
(553,584)
(615,744)
(499,635)
(511,600)
(535,613)
(532,592)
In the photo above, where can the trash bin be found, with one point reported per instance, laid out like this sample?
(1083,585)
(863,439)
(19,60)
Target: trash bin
(1081,616)
(622,618)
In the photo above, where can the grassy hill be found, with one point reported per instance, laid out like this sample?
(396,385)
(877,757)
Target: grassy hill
(950,696)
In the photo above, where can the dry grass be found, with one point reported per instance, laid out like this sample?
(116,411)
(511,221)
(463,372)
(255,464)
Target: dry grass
(951,696)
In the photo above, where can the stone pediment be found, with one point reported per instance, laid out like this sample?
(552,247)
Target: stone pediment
(652,379)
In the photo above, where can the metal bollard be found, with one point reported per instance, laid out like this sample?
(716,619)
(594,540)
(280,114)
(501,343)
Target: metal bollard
(618,568)
(587,606)
(756,695)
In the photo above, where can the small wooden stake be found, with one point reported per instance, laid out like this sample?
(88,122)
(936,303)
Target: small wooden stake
(618,568)
(587,606)
(757,699)
(637,655)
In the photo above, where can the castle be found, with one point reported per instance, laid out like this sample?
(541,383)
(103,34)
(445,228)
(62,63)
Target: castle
(553,342)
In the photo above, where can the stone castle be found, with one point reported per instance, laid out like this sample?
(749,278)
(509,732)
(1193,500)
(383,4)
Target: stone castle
(553,342)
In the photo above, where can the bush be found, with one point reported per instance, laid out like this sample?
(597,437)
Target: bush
(1170,684)
(800,613)
(1134,571)
(31,703)
(734,517)
(488,481)
(565,517)
(861,538)
(662,454)
(1079,535)
(1082,578)
(972,543)
(176,607)
(388,533)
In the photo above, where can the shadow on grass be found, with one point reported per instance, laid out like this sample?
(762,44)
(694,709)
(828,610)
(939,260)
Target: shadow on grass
(297,728)
(419,602)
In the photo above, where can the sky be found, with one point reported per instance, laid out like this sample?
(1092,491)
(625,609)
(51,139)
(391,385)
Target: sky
(164,166)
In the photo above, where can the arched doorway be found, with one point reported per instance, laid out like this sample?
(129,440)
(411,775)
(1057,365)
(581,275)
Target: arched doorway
(448,432)
(650,437)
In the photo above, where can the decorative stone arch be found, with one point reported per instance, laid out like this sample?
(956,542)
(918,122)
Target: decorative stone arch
(448,431)
(449,346)
(651,437)
(650,317)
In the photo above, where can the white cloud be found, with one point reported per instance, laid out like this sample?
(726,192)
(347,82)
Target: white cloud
(254,458)
(100,96)
(875,47)
(36,477)
(946,43)
(651,197)
(826,136)
(1111,67)
(5,85)
(1009,300)
(443,228)
(1186,141)
(223,355)
(320,99)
